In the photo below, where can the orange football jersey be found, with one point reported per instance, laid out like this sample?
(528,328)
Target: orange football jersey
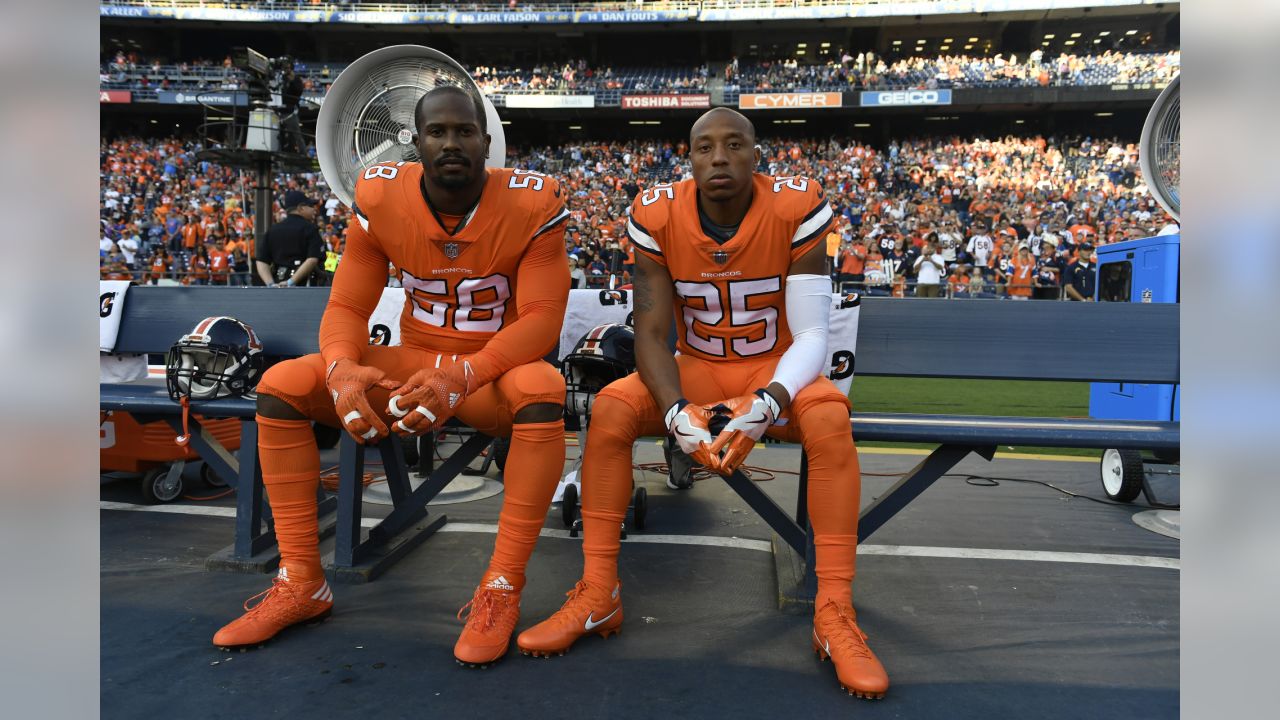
(729,297)
(460,281)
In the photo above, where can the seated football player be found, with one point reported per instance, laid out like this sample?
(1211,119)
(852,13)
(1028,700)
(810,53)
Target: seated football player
(737,257)
(481,257)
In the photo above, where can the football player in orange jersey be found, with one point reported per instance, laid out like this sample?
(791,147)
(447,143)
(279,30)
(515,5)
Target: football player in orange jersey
(737,258)
(482,262)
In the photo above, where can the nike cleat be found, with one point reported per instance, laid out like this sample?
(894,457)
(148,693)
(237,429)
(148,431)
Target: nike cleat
(836,635)
(590,609)
(494,611)
(284,604)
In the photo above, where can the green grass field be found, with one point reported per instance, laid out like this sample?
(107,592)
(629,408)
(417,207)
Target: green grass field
(973,397)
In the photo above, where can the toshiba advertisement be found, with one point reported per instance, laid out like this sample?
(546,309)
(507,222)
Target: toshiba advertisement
(788,101)
(663,102)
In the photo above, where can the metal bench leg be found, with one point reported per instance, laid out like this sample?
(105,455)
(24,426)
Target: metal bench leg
(797,582)
(909,487)
(409,524)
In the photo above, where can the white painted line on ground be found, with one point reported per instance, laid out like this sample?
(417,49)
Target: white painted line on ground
(740,543)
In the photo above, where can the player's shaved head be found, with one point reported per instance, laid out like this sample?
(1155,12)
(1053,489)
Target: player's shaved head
(426,102)
(718,118)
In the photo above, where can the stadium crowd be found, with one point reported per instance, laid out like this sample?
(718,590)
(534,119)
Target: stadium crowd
(975,203)
(865,70)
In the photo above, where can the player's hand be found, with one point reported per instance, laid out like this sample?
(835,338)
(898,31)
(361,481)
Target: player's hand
(348,383)
(429,397)
(749,417)
(689,424)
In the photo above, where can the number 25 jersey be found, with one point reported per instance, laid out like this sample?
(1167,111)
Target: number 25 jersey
(463,283)
(729,302)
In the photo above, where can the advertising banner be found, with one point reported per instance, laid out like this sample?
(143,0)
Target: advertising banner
(115,96)
(891,98)
(664,102)
(788,101)
(551,101)
(216,97)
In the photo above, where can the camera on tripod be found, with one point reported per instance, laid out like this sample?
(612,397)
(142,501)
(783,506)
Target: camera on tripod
(269,92)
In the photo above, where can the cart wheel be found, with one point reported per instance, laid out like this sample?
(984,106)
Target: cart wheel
(326,437)
(210,478)
(569,506)
(1121,472)
(641,502)
(158,488)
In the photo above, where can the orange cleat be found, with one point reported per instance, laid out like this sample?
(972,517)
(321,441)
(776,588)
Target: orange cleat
(836,635)
(285,603)
(493,613)
(589,609)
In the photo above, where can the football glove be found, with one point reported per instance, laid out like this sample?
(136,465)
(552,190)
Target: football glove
(749,417)
(688,424)
(430,397)
(348,382)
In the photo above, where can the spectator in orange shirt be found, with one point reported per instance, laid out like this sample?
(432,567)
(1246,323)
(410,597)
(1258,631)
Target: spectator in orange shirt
(199,266)
(853,263)
(219,265)
(190,232)
(1023,266)
(159,266)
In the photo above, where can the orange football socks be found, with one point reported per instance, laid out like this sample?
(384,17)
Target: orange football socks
(835,483)
(534,464)
(606,487)
(291,472)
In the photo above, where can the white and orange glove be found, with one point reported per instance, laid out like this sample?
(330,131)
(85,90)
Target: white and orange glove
(749,417)
(430,397)
(689,425)
(348,383)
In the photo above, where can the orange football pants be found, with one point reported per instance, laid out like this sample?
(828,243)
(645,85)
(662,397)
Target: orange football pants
(817,418)
(291,460)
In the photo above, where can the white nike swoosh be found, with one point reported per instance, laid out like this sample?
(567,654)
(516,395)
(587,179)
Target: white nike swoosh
(826,644)
(593,624)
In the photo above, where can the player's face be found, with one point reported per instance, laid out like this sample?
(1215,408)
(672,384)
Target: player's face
(723,156)
(450,142)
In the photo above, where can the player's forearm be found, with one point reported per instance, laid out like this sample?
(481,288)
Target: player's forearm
(658,370)
(542,294)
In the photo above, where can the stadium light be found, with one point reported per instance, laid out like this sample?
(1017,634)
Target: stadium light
(506,122)
(799,52)
(575,127)
(897,42)
(1130,32)
(652,122)
(825,45)
(1069,42)
(635,122)
(974,39)
(802,45)
(862,124)
(1045,43)
(1103,114)
(970,47)
(1104,33)
(945,47)
(1049,36)
(1075,35)
(1097,40)
(1018,122)
(948,40)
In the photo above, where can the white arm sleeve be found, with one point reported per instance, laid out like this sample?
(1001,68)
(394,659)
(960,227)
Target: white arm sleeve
(808,299)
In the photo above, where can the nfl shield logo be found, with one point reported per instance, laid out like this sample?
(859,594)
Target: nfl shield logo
(721,257)
(451,250)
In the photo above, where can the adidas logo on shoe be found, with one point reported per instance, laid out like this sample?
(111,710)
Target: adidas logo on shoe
(500,583)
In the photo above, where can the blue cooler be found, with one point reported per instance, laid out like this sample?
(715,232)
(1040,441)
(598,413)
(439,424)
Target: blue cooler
(1144,270)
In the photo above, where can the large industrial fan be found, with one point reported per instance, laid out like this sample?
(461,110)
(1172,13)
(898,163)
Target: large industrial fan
(1160,149)
(367,116)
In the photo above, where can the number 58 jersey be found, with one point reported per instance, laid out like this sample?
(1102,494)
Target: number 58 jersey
(729,297)
(460,275)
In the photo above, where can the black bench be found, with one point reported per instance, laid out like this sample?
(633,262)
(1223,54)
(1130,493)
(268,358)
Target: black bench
(288,323)
(1036,340)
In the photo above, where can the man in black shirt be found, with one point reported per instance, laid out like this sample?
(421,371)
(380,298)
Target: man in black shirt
(292,248)
(290,126)
(1081,274)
